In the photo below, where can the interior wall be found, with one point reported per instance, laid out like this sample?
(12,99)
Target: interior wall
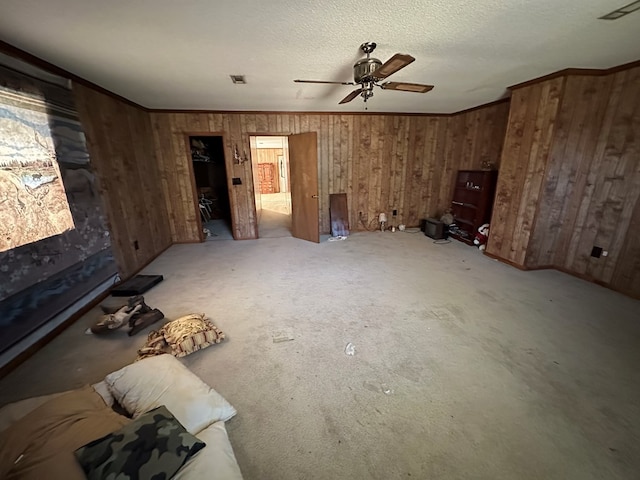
(580,183)
(527,142)
(120,142)
(382,162)
(590,195)
(169,131)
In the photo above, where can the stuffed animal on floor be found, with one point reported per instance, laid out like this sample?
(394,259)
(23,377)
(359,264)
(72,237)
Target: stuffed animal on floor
(113,321)
(482,236)
(136,313)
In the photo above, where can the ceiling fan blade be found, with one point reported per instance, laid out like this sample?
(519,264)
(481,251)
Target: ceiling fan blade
(351,96)
(392,65)
(407,87)
(324,81)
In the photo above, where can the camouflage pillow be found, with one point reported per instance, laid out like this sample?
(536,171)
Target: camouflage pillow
(154,446)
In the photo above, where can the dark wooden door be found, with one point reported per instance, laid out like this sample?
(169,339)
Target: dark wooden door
(303,167)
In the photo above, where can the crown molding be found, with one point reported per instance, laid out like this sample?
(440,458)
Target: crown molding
(597,72)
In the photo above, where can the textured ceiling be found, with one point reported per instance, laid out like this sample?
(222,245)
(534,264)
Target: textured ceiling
(179,54)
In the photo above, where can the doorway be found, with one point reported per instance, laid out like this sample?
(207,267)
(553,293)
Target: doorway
(271,179)
(210,175)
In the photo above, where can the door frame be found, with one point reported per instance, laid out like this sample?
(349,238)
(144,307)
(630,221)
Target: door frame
(254,174)
(194,188)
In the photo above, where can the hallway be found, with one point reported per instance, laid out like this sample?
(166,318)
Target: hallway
(275,220)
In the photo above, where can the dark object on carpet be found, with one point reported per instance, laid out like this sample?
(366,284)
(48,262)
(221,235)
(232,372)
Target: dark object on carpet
(131,303)
(435,229)
(143,320)
(113,321)
(136,285)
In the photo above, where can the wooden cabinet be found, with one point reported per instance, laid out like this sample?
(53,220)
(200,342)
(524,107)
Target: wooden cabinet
(472,202)
(267,178)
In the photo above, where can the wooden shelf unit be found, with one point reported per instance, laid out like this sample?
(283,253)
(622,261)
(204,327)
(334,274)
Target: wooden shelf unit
(472,202)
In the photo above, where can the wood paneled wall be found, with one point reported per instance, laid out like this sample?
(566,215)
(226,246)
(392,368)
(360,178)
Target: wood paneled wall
(269,155)
(626,276)
(382,162)
(170,131)
(585,191)
(120,143)
(532,117)
(591,191)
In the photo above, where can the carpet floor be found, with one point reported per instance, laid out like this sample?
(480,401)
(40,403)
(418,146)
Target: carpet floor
(464,368)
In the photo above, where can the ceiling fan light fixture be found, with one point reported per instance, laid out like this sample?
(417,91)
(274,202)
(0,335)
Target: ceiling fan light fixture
(622,11)
(369,72)
(363,69)
(367,94)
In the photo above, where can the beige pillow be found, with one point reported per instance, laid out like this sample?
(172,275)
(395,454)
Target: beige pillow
(12,412)
(41,444)
(191,333)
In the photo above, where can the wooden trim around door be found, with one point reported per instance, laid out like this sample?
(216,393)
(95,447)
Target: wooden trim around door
(228,179)
(194,188)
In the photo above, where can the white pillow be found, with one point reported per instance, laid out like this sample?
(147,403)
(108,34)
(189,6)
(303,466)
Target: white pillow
(216,460)
(163,380)
(102,389)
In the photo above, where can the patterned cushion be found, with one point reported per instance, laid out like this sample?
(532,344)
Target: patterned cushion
(154,446)
(191,333)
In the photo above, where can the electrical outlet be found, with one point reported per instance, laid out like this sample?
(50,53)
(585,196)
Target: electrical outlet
(135,245)
(395,212)
(596,252)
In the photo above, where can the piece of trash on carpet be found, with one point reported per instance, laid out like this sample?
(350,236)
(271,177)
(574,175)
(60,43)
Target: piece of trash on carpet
(282,336)
(378,387)
(350,349)
(336,239)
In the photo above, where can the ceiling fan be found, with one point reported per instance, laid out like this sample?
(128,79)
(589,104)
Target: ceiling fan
(368,72)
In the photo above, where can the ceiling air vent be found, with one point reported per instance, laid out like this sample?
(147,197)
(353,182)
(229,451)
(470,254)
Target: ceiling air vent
(238,79)
(622,11)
